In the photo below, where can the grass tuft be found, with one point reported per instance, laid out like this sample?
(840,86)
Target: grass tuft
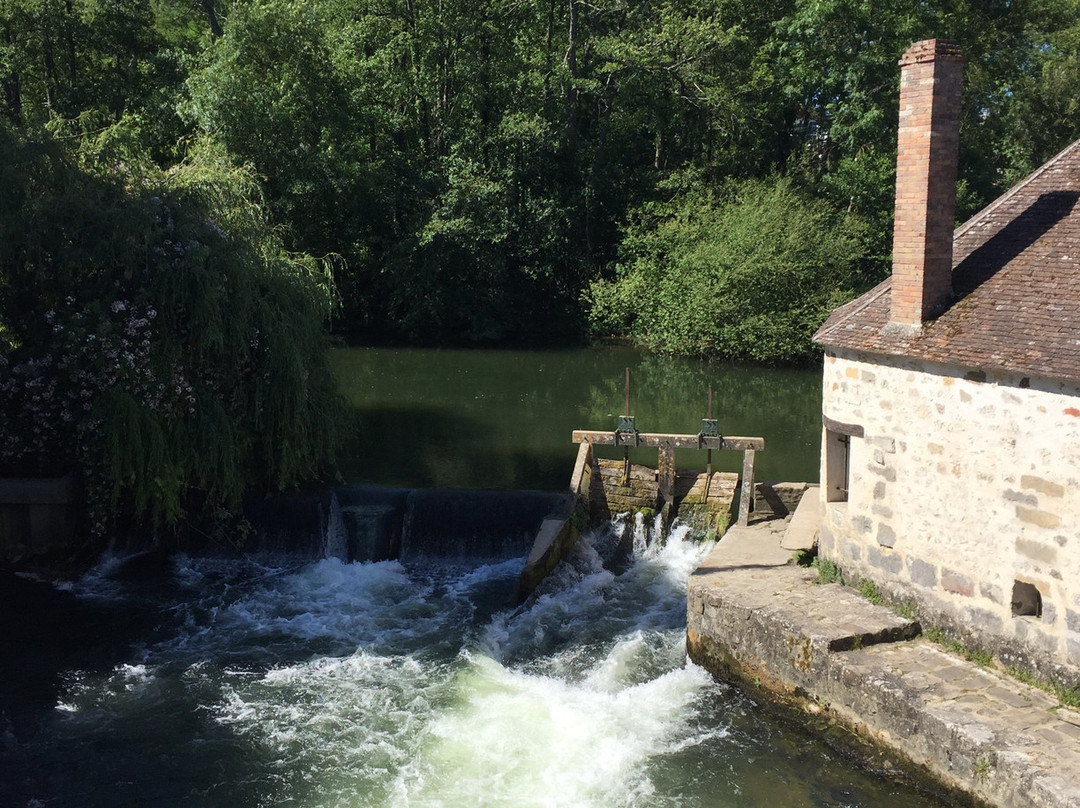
(828,572)
(869,590)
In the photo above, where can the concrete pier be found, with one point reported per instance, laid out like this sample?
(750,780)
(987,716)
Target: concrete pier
(754,617)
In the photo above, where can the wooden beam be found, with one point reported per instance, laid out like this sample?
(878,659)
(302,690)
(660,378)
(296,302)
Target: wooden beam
(747,487)
(665,478)
(665,473)
(584,457)
(677,441)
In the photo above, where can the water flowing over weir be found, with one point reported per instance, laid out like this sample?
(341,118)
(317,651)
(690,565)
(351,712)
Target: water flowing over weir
(372,523)
(286,681)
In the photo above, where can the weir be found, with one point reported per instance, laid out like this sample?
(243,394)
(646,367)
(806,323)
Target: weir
(601,488)
(371,523)
(364,523)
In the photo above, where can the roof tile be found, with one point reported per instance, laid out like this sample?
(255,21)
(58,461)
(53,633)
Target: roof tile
(1016,287)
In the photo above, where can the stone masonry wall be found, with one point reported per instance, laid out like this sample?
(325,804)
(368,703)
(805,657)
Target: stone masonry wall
(960,486)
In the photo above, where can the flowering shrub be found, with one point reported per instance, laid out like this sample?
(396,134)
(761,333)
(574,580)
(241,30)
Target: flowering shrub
(49,397)
(184,362)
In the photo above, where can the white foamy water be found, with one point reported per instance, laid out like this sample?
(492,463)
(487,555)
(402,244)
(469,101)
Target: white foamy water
(533,692)
(278,682)
(518,738)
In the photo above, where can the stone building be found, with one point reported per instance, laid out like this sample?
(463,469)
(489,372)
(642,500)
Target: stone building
(951,398)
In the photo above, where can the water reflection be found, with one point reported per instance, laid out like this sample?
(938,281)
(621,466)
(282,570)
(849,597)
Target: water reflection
(502,419)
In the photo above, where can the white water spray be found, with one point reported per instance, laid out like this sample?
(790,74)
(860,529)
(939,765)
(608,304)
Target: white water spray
(403,685)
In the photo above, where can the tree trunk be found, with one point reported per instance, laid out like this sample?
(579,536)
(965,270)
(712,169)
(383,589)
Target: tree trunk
(49,66)
(12,88)
(211,15)
(13,98)
(548,40)
(69,36)
(571,91)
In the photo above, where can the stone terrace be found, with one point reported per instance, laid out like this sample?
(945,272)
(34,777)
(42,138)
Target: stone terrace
(755,617)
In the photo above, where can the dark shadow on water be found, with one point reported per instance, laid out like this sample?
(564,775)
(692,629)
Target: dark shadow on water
(432,447)
(503,419)
(45,632)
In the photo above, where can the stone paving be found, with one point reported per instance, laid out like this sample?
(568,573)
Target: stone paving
(755,616)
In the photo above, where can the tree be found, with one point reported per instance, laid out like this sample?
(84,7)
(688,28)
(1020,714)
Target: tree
(834,63)
(1041,117)
(157,339)
(94,60)
(749,273)
(475,165)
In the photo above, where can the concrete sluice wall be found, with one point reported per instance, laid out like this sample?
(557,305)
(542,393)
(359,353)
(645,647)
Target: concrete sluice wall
(368,523)
(38,516)
(484,524)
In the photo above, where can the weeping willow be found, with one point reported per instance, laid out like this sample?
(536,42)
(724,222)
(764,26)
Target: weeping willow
(155,336)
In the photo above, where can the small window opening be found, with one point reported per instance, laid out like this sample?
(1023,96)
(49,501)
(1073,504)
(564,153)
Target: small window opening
(1026,600)
(838,466)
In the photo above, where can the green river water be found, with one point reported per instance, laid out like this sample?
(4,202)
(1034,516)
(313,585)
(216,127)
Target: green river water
(502,419)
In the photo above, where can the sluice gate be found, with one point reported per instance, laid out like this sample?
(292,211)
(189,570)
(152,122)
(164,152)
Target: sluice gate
(601,488)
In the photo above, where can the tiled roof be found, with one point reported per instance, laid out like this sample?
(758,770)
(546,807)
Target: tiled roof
(1016,284)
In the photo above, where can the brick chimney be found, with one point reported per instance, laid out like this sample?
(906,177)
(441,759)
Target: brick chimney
(927,149)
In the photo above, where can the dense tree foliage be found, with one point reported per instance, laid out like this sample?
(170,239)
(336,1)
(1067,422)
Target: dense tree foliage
(157,337)
(477,164)
(694,276)
(479,173)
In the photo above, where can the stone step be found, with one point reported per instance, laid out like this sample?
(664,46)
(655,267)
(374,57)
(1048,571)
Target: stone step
(767,623)
(802,530)
(805,621)
(1005,741)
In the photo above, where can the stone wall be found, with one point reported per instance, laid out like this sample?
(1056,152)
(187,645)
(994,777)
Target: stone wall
(779,499)
(38,516)
(962,496)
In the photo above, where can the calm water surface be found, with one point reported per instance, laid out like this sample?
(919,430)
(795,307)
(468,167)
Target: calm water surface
(502,419)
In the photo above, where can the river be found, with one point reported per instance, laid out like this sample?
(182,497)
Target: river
(287,681)
(502,419)
(268,682)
